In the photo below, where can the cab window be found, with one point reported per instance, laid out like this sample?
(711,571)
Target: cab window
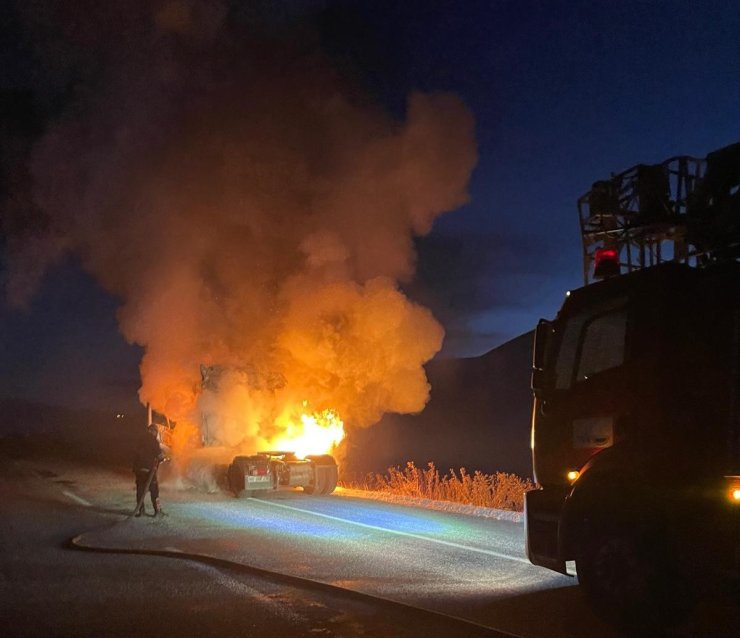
(591,343)
(602,347)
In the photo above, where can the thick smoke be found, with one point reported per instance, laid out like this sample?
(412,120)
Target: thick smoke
(250,212)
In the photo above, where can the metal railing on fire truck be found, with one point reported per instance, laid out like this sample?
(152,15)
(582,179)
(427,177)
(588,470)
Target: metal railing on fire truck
(685,209)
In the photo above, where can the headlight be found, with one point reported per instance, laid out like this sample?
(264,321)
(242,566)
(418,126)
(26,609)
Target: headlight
(733,489)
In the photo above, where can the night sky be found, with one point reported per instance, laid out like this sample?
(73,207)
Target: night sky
(563,94)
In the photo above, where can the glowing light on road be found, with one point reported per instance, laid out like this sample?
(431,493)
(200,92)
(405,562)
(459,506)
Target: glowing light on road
(573,475)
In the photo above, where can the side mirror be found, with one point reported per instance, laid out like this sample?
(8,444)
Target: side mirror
(541,336)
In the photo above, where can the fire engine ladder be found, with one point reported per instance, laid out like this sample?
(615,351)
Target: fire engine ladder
(685,209)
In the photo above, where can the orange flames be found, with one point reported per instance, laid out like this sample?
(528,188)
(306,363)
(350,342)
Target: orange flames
(298,429)
(312,433)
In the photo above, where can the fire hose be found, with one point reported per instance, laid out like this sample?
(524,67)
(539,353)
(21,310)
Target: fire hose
(457,625)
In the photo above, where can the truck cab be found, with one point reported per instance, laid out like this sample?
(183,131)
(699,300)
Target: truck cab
(635,437)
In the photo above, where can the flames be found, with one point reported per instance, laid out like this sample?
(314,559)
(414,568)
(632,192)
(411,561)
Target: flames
(311,433)
(250,408)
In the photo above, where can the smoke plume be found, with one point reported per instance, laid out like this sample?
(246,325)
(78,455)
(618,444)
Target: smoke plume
(250,211)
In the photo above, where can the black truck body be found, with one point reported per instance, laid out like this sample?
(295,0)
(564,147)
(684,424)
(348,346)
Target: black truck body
(636,436)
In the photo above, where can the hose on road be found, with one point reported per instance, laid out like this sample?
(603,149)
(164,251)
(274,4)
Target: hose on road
(458,626)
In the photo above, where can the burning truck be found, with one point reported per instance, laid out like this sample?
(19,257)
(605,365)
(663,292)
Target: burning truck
(255,473)
(276,231)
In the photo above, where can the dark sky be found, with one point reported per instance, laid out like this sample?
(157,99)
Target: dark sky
(563,94)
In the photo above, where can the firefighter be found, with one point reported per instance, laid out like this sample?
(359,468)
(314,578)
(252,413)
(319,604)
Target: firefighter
(146,461)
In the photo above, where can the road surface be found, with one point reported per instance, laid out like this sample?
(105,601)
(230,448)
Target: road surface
(467,567)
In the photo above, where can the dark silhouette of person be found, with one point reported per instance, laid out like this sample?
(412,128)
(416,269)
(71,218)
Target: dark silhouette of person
(146,461)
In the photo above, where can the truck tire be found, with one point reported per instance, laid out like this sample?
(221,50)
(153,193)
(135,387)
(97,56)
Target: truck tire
(628,580)
(235,475)
(331,476)
(325,475)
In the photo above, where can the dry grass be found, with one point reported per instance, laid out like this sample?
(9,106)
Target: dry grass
(499,490)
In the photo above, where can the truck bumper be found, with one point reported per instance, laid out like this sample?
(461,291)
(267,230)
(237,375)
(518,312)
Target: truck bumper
(255,483)
(542,515)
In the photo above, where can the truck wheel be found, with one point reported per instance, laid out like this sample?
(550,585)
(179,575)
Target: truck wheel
(324,483)
(330,479)
(235,476)
(627,579)
(325,474)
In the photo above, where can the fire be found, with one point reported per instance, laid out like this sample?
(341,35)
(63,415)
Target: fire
(313,433)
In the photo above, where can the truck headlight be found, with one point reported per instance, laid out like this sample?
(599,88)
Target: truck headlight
(733,489)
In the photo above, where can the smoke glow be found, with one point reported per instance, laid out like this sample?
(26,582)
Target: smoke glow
(254,215)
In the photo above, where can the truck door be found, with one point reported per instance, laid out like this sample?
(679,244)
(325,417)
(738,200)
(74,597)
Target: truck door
(589,383)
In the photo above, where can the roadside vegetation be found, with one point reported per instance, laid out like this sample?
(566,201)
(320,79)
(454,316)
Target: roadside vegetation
(499,491)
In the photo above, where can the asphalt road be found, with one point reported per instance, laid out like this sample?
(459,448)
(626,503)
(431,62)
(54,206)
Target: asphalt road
(48,589)
(463,566)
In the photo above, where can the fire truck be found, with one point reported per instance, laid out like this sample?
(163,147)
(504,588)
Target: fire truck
(636,418)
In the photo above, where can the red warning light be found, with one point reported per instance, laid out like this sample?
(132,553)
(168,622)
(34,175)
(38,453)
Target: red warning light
(606,253)
(606,263)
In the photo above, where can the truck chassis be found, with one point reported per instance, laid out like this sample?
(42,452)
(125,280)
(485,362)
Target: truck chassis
(269,471)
